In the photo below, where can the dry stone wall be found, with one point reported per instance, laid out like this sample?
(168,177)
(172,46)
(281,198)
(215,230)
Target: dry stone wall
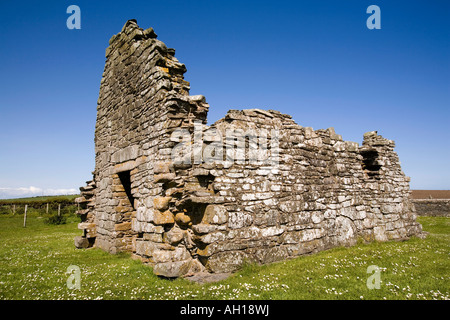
(255,186)
(86,211)
(432,207)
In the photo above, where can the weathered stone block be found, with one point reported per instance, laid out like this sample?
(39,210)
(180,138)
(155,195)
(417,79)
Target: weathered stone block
(203,228)
(213,237)
(163,167)
(173,269)
(161,218)
(178,254)
(239,220)
(161,203)
(200,172)
(228,261)
(122,226)
(81,242)
(271,231)
(182,218)
(174,236)
(128,153)
(215,214)
(164,177)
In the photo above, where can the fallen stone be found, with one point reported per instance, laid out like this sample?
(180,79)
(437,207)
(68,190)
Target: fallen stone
(206,277)
(81,242)
(172,269)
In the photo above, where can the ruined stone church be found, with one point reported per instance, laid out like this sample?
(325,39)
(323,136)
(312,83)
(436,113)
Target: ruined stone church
(253,187)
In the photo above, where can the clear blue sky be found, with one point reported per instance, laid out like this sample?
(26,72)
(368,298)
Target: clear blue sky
(315,60)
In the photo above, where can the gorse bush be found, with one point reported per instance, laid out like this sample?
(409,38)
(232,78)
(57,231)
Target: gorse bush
(5,210)
(56,220)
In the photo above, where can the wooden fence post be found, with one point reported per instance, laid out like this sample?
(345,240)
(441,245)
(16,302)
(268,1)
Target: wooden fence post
(14,209)
(25,216)
(59,209)
(46,210)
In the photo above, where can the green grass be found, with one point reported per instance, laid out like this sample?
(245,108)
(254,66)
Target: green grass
(34,262)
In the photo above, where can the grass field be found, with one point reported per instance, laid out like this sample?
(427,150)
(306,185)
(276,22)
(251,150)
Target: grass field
(34,263)
(38,205)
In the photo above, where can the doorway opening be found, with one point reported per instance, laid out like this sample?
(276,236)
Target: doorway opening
(125,179)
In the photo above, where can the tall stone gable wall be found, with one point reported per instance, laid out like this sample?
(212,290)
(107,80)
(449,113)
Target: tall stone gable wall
(154,193)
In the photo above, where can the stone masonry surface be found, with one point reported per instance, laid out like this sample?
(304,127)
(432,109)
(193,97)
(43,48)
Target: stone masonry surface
(255,186)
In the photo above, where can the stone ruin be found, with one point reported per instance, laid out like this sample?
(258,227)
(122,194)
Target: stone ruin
(254,187)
